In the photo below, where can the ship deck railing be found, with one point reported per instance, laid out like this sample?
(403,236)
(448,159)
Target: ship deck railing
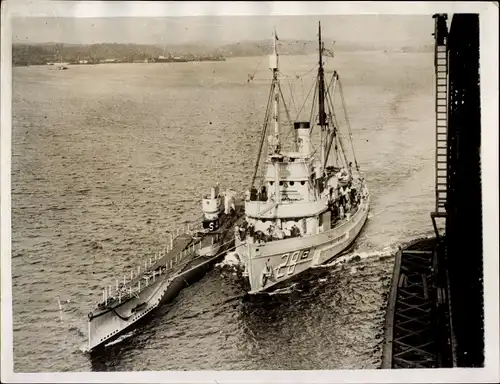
(265,238)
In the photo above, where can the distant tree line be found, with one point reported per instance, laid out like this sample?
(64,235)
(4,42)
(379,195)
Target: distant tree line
(27,54)
(40,54)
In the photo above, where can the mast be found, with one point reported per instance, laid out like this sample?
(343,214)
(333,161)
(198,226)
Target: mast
(274,66)
(272,108)
(277,146)
(321,96)
(333,133)
(276,156)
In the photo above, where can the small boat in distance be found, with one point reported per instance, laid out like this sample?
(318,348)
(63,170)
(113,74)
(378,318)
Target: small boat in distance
(190,254)
(310,203)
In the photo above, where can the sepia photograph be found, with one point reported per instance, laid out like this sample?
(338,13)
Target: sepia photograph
(249,192)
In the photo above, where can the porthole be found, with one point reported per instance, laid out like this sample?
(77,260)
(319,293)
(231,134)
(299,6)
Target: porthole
(271,182)
(292,182)
(281,183)
(302,182)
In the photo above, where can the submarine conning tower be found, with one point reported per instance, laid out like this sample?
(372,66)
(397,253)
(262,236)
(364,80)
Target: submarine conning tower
(215,204)
(212,207)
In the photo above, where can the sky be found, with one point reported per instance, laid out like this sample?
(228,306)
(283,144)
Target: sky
(363,29)
(163,22)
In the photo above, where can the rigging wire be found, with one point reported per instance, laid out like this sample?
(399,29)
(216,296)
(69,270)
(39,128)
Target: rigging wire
(307,97)
(333,119)
(298,76)
(252,76)
(336,134)
(262,168)
(291,93)
(292,130)
(339,138)
(302,84)
(263,136)
(314,103)
(347,122)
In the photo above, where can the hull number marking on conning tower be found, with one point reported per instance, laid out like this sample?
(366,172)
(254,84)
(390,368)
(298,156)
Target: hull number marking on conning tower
(291,260)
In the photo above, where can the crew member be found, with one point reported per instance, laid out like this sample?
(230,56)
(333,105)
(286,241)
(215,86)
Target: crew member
(253,194)
(263,193)
(295,232)
(353,195)
(251,230)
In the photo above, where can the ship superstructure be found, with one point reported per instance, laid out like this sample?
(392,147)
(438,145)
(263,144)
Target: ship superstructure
(310,203)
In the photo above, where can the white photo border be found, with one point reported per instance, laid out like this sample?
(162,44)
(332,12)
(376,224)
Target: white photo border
(488,12)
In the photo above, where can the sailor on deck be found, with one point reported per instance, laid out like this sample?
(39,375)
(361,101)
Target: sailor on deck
(253,194)
(295,231)
(263,194)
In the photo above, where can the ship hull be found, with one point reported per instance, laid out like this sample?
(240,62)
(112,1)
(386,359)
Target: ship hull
(271,264)
(108,325)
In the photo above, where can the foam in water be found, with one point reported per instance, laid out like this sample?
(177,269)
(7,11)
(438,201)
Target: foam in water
(382,91)
(231,260)
(372,215)
(84,348)
(387,251)
(284,291)
(121,338)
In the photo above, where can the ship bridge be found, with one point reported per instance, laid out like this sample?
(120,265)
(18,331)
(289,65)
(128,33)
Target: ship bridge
(294,180)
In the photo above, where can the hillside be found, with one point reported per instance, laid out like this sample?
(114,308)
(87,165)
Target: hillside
(27,54)
(36,54)
(307,47)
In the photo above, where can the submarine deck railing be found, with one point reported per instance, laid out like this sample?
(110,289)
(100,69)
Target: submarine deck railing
(134,290)
(164,262)
(127,289)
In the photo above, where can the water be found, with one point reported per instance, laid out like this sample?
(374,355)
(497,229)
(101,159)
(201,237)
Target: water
(108,158)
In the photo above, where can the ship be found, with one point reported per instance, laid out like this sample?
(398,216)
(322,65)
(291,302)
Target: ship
(309,204)
(190,254)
